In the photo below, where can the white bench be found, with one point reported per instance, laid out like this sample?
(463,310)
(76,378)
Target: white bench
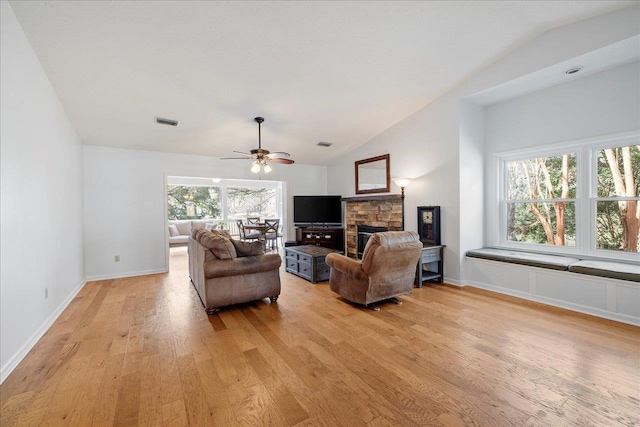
(611,269)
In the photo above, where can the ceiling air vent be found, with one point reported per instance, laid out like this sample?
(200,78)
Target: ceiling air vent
(324,144)
(573,70)
(167,122)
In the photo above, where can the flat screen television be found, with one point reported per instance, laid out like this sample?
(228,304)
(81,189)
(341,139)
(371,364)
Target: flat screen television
(317,210)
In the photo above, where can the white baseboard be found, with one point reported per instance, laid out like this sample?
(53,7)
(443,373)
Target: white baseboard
(17,358)
(121,275)
(453,282)
(559,303)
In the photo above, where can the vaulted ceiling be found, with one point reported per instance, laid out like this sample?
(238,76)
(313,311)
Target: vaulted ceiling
(340,72)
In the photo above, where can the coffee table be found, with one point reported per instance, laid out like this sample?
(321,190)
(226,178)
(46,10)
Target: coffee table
(308,262)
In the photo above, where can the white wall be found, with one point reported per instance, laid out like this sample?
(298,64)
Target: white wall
(41,199)
(472,141)
(600,104)
(125,202)
(423,147)
(427,146)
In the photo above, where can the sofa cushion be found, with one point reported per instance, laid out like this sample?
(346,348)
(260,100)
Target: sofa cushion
(243,265)
(173,230)
(248,248)
(614,270)
(200,223)
(219,245)
(184,227)
(178,239)
(554,262)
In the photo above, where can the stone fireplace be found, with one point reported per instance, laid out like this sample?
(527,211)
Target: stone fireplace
(371,211)
(364,234)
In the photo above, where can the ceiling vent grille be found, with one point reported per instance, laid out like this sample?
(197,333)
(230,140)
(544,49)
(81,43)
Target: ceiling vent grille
(167,122)
(573,70)
(324,144)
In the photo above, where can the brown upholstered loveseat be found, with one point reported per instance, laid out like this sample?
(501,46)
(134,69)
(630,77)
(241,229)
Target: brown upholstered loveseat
(387,269)
(226,271)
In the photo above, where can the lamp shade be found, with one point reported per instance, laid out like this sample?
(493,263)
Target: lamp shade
(402,182)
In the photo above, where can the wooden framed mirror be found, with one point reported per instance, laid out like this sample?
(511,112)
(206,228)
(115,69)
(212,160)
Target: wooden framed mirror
(373,176)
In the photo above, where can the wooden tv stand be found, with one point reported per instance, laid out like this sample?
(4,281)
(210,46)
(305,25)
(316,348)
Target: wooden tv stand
(327,237)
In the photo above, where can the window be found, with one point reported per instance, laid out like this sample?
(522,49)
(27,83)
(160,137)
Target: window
(245,202)
(579,199)
(193,202)
(541,205)
(616,201)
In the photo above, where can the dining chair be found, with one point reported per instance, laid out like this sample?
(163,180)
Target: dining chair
(253,220)
(253,235)
(271,231)
(280,234)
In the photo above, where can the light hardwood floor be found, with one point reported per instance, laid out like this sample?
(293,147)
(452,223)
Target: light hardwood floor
(142,351)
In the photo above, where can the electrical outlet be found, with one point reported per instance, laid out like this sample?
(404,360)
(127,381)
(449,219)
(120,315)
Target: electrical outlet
(117,258)
(46,293)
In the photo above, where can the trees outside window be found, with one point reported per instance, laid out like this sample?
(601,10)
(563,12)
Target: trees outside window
(617,207)
(245,202)
(193,202)
(585,200)
(541,200)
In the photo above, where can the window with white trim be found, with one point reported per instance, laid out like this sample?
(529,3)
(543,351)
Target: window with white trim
(541,200)
(616,202)
(574,199)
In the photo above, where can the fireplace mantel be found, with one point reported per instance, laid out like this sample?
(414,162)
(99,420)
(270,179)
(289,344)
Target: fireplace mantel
(372,198)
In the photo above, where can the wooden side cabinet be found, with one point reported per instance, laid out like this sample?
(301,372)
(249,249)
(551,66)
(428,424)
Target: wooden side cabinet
(430,265)
(332,238)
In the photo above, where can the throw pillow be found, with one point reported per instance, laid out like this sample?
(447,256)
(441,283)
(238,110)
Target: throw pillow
(195,233)
(247,248)
(219,245)
(173,230)
(210,226)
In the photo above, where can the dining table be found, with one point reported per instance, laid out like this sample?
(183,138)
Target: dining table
(261,227)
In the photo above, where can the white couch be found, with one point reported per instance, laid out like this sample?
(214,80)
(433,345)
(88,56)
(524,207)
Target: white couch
(184,227)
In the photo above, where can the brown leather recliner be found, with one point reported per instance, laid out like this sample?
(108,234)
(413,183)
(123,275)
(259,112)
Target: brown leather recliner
(226,271)
(387,269)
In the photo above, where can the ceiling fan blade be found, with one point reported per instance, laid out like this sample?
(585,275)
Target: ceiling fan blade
(278,155)
(236,158)
(240,152)
(283,161)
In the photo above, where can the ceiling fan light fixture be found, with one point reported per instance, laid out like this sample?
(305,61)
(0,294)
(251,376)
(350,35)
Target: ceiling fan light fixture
(260,156)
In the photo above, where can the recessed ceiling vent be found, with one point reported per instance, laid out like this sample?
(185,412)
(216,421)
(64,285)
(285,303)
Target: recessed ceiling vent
(573,70)
(324,144)
(167,122)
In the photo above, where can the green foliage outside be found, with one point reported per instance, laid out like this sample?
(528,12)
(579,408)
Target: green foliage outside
(189,202)
(248,201)
(541,179)
(192,202)
(611,225)
(532,218)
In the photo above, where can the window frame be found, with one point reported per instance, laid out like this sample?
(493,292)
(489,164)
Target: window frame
(594,199)
(277,201)
(220,187)
(585,199)
(504,201)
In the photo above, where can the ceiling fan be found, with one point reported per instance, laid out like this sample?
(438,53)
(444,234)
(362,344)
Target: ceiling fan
(260,155)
